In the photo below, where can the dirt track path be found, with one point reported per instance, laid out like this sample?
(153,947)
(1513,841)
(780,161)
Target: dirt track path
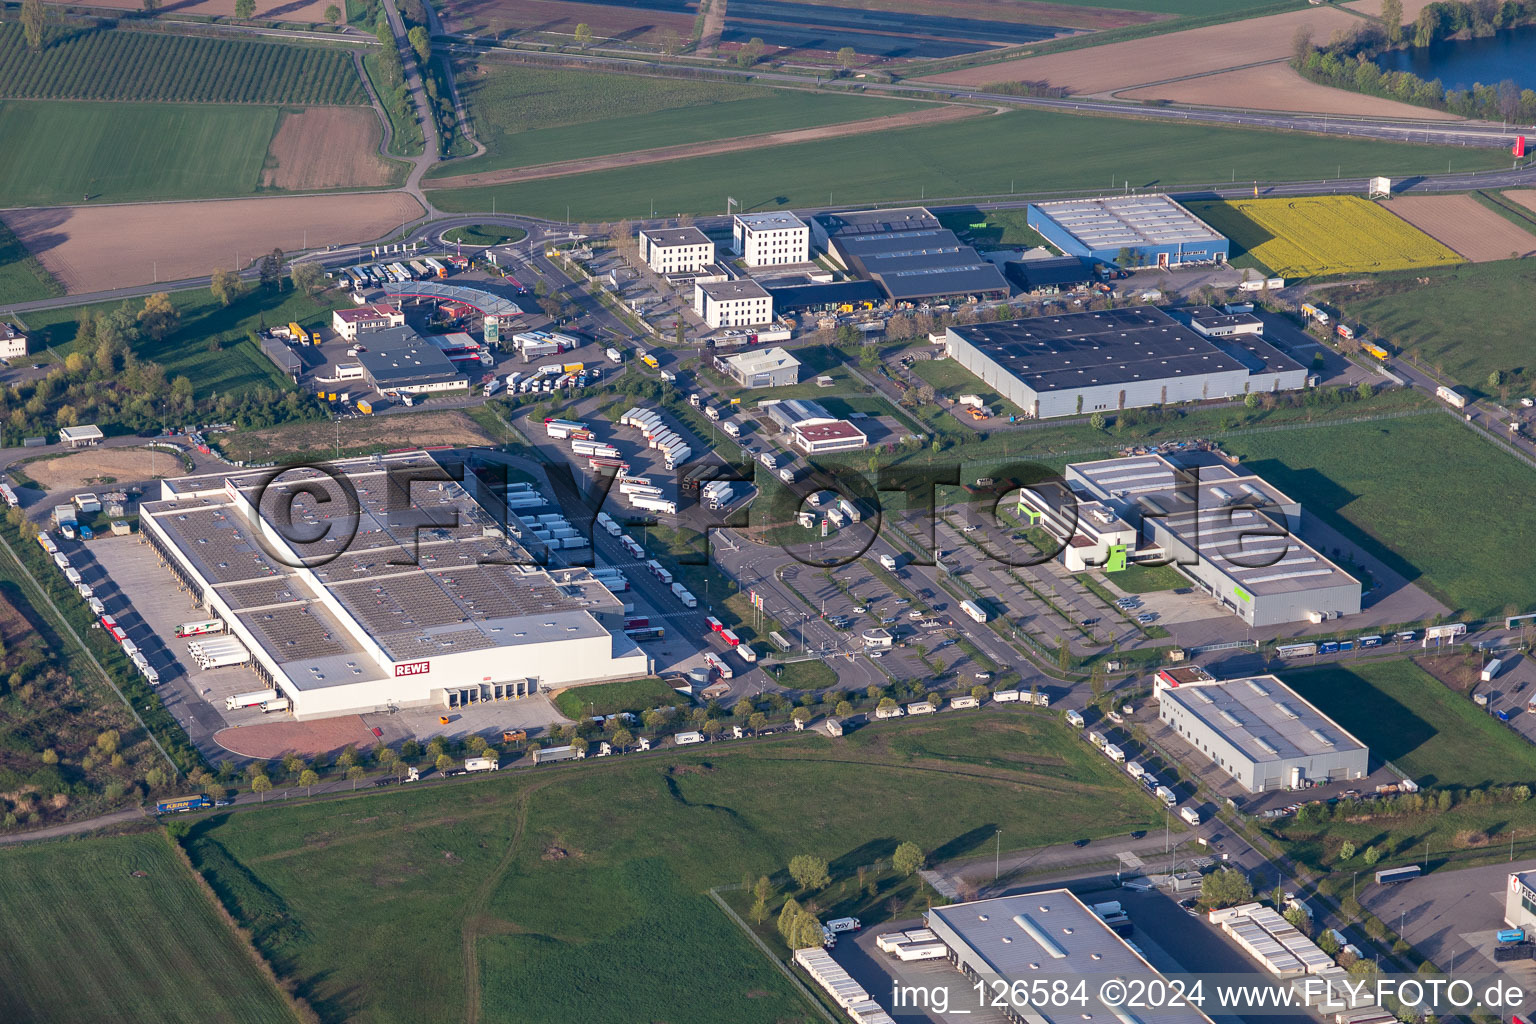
(714,25)
(692,149)
(477,904)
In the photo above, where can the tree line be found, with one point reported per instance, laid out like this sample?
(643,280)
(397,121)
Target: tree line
(1348,59)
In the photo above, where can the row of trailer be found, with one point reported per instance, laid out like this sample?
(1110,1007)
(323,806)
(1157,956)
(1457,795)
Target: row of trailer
(218,652)
(108,623)
(674,450)
(379,275)
(545,380)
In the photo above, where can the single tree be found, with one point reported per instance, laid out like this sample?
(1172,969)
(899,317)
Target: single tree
(843,709)
(935,700)
(33,18)
(261,784)
(846,57)
(583,35)
(788,915)
(750,53)
(678,335)
(421,42)
(1371,856)
(907,858)
(671,42)
(579,744)
(1346,851)
(332,14)
(150,6)
(801,715)
(244,9)
(159,317)
(809,872)
(1365,390)
(1392,18)
(444,762)
(806,933)
(308,277)
(1224,888)
(225,286)
(270,270)
(1096,421)
(307,778)
(622,738)
(355,773)
(980,692)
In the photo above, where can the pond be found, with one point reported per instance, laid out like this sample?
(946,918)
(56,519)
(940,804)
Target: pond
(1461,62)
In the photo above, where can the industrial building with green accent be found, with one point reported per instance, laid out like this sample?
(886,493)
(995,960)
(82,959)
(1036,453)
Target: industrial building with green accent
(1234,535)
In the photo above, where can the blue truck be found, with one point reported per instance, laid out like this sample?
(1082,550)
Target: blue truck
(85,532)
(183,803)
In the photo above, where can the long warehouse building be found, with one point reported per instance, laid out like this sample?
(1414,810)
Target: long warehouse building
(1021,945)
(1235,535)
(1129,230)
(1260,731)
(408,596)
(1081,363)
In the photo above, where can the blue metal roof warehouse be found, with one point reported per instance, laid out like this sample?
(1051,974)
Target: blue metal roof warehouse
(1138,230)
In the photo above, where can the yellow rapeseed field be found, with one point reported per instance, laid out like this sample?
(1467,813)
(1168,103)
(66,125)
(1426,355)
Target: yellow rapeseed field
(1315,236)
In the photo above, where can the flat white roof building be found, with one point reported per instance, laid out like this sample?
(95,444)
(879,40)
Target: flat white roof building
(1033,938)
(409,595)
(739,303)
(676,250)
(81,436)
(761,368)
(1260,731)
(771,239)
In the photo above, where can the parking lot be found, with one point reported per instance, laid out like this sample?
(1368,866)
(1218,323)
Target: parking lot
(118,566)
(1450,916)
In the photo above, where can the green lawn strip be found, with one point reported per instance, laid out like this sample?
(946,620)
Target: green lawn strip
(980,156)
(61,151)
(803,675)
(521,142)
(633,695)
(22,276)
(483,234)
(1147,579)
(117,928)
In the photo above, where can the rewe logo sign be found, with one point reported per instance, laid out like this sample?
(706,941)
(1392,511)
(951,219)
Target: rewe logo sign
(413,668)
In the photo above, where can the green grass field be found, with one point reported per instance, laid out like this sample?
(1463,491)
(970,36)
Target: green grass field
(579,891)
(1407,716)
(1020,150)
(1355,477)
(481,234)
(634,695)
(1430,320)
(236,365)
(1146,579)
(1005,229)
(160,67)
(122,152)
(87,941)
(22,277)
(528,116)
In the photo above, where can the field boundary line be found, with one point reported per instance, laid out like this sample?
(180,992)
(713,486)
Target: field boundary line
(810,996)
(296,1004)
(48,608)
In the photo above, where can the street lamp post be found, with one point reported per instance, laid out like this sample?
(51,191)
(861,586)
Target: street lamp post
(997,865)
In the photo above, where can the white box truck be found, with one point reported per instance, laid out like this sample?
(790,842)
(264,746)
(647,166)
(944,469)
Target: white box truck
(281,704)
(1114,753)
(1491,670)
(481,764)
(1166,795)
(249,700)
(888,561)
(974,610)
(1190,815)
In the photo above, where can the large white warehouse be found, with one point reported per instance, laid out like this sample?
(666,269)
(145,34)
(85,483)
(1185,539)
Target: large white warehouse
(411,596)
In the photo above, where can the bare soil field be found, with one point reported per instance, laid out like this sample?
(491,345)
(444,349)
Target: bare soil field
(123,465)
(511,18)
(96,248)
(1115,66)
(399,430)
(931,115)
(1465,225)
(1277,87)
(271,740)
(327,147)
(1526,197)
(309,11)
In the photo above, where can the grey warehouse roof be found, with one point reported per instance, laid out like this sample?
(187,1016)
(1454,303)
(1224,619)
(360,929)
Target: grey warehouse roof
(1048,935)
(1222,517)
(770,221)
(858,222)
(398,356)
(1129,221)
(1262,717)
(1114,346)
(669,238)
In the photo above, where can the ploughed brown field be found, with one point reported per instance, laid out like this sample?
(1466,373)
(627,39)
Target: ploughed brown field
(1464,224)
(95,248)
(1277,87)
(327,147)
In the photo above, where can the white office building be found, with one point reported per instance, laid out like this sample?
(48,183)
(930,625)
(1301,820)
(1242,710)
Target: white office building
(740,303)
(771,239)
(676,250)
